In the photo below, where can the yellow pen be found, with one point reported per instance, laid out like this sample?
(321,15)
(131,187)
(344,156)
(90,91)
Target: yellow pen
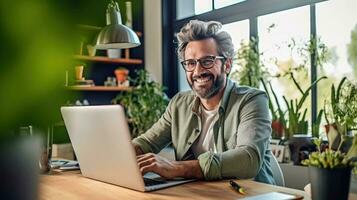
(236,187)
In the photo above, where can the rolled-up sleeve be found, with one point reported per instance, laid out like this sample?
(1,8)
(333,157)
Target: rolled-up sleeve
(252,140)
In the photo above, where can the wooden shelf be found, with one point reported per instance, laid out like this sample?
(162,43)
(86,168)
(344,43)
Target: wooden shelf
(99,88)
(109,60)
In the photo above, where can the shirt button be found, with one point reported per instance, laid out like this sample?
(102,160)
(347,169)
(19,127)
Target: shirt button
(197,130)
(189,143)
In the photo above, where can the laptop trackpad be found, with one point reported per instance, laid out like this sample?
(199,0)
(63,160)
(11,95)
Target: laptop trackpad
(152,175)
(154,181)
(151,179)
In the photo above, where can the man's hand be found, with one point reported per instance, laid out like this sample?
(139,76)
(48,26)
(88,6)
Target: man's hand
(169,169)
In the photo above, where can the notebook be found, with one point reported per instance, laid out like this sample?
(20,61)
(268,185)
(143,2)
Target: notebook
(274,196)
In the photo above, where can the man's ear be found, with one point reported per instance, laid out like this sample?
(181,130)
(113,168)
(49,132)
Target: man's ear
(228,66)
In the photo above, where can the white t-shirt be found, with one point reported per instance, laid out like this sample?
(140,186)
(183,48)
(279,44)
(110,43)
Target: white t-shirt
(205,142)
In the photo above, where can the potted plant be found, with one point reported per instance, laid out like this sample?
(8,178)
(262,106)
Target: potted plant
(296,128)
(296,123)
(293,121)
(145,104)
(330,171)
(121,74)
(341,114)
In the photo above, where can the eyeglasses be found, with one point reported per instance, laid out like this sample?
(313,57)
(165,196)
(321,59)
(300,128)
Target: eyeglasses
(206,62)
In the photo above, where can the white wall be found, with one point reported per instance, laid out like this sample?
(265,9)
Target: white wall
(153,38)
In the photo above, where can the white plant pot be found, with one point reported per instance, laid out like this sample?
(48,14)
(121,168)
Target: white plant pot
(114,53)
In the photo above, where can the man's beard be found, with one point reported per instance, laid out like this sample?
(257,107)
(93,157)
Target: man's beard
(206,93)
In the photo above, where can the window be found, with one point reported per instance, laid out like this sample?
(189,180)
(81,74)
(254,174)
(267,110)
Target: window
(239,31)
(223,3)
(334,22)
(202,6)
(283,28)
(185,8)
(281,37)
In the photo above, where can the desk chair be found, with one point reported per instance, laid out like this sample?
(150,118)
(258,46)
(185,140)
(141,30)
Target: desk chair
(277,173)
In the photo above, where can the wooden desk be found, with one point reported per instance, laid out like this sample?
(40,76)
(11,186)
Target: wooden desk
(72,185)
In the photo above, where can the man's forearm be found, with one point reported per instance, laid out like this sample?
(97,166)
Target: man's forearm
(242,162)
(189,169)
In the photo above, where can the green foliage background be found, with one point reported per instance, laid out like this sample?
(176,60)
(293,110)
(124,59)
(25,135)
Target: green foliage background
(145,104)
(37,47)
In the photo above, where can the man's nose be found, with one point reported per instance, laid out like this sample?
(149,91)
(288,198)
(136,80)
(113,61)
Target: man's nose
(198,69)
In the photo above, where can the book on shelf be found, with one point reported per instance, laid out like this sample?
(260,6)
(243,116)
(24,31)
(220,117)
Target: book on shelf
(83,83)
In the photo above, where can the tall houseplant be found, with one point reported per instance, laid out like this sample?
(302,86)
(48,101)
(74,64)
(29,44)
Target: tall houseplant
(145,104)
(341,113)
(278,115)
(293,120)
(296,122)
(250,68)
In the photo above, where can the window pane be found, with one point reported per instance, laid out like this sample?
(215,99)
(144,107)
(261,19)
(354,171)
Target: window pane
(282,36)
(335,20)
(224,3)
(238,30)
(185,8)
(202,6)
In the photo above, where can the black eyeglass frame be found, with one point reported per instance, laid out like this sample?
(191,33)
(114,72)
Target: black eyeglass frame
(213,58)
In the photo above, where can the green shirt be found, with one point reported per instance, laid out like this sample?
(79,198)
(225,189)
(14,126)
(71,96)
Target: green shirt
(241,134)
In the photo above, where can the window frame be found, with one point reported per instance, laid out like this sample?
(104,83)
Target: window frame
(249,9)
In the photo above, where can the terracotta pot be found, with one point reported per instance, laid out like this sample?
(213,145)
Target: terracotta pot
(277,128)
(121,75)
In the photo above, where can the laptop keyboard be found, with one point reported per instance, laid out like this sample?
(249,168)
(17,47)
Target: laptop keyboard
(151,182)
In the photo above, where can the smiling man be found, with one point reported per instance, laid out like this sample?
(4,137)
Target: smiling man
(219,129)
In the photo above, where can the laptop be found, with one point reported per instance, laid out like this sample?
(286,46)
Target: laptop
(101,139)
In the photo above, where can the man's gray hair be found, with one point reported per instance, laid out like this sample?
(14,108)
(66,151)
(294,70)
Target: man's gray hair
(200,30)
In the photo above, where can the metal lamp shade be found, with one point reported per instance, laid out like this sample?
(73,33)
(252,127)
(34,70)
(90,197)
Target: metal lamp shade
(115,35)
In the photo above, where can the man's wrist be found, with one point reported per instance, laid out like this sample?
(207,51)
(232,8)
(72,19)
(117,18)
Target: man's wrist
(189,169)
(137,149)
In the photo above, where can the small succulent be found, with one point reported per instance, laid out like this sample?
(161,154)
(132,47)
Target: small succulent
(330,159)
